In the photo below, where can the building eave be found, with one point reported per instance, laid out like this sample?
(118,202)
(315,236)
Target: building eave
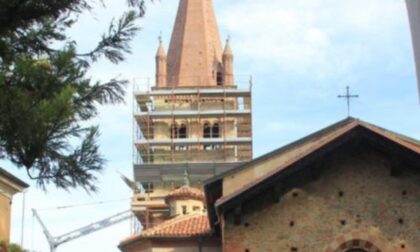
(13,181)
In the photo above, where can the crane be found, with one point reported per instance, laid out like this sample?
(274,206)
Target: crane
(56,241)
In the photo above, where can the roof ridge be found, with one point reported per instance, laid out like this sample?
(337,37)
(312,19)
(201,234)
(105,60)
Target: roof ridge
(401,136)
(294,144)
(334,134)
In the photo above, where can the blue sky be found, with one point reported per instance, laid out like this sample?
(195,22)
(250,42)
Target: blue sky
(301,54)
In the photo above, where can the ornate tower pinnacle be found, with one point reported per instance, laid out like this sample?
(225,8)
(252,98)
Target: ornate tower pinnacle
(195,45)
(161,65)
(228,64)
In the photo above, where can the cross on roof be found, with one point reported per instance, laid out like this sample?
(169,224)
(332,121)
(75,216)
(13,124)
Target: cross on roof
(160,37)
(348,97)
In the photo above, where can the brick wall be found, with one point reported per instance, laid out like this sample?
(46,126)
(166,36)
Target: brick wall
(357,199)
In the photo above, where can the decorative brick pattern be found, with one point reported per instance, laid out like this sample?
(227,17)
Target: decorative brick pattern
(359,240)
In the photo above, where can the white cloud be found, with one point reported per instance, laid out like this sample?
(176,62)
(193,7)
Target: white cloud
(319,37)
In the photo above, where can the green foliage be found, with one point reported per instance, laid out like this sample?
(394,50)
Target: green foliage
(15,248)
(10,248)
(46,99)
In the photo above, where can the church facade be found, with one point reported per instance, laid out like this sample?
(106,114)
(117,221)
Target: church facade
(351,187)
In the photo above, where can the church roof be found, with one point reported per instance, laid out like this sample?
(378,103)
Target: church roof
(185,192)
(298,155)
(195,45)
(188,226)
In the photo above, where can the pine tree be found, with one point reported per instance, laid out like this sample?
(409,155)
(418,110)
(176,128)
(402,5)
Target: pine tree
(46,98)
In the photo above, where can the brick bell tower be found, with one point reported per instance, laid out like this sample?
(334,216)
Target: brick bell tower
(196,121)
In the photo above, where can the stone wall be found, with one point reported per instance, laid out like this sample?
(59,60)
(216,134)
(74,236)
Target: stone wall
(356,200)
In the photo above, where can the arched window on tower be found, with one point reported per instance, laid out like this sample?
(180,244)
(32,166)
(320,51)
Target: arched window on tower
(215,131)
(206,130)
(219,78)
(182,132)
(174,131)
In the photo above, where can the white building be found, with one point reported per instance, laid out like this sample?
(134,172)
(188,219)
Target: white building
(413,7)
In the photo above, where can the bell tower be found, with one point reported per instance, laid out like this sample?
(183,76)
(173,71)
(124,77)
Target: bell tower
(195,120)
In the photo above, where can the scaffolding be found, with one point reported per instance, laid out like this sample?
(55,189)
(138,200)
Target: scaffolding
(170,124)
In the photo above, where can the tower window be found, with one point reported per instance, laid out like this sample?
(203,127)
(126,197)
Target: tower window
(206,130)
(148,187)
(215,131)
(182,133)
(184,210)
(219,79)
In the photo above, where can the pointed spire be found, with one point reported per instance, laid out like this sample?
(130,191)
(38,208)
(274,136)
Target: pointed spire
(161,65)
(228,78)
(161,51)
(195,43)
(228,49)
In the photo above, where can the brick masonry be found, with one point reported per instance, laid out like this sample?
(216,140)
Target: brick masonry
(357,204)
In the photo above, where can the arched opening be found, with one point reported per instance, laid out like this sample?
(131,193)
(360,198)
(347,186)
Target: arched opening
(206,130)
(356,245)
(182,132)
(174,131)
(215,131)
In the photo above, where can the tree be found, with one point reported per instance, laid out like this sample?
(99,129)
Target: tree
(46,99)
(4,247)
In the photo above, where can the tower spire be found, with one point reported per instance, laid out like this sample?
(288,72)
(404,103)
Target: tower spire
(161,65)
(195,45)
(228,64)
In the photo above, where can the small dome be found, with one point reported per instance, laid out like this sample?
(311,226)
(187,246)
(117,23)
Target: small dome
(185,192)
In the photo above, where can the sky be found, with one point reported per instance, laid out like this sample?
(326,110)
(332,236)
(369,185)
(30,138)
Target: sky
(301,54)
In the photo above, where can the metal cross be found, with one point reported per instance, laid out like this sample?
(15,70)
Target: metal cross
(348,97)
(160,37)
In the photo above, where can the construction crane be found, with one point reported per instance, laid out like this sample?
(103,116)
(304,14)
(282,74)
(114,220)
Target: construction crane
(54,242)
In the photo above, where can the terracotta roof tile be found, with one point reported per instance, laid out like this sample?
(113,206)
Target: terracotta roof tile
(186,192)
(195,225)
